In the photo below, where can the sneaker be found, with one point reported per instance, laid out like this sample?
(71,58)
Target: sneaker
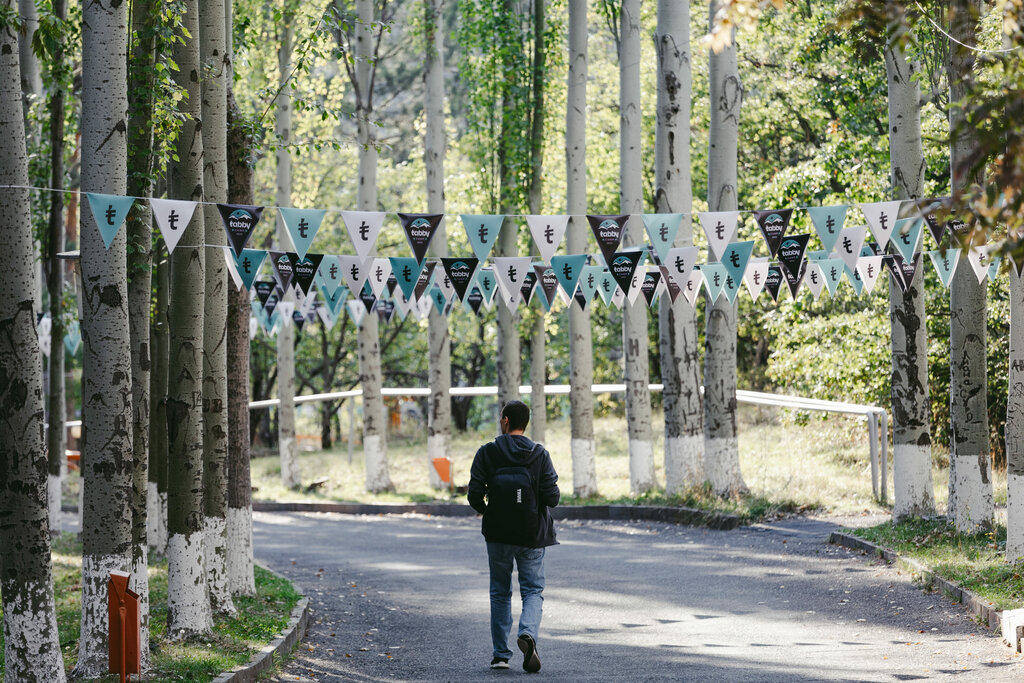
(499,663)
(531,662)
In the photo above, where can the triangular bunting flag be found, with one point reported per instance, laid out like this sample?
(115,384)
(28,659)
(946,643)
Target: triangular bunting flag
(367,298)
(906,236)
(248,265)
(302,225)
(439,299)
(795,280)
(855,279)
(881,218)
(755,277)
(482,232)
(355,270)
(229,261)
(328,276)
(487,283)
(869,267)
(548,283)
(423,283)
(624,266)
(936,228)
(109,211)
(590,281)
(978,258)
(735,259)
(407,272)
(720,228)
(714,279)
(475,299)
(673,289)
(305,271)
(528,287)
(773,224)
(356,311)
(732,288)
(363,229)
(828,221)
(662,228)
(650,285)
(283,269)
(461,271)
(791,254)
(815,279)
(547,233)
(692,287)
(851,241)
(773,282)
(380,270)
(419,231)
(172,217)
(239,222)
(568,270)
(608,233)
(510,271)
(832,271)
(680,262)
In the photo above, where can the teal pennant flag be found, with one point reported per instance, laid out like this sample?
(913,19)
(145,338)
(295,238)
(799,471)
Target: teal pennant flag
(590,280)
(662,228)
(568,270)
(439,299)
(715,275)
(109,211)
(302,225)
(407,271)
(248,264)
(607,286)
(832,269)
(328,276)
(945,263)
(482,232)
(487,282)
(735,259)
(828,221)
(906,235)
(334,300)
(732,284)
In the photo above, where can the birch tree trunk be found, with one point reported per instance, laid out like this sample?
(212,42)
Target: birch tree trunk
(214,60)
(439,420)
(677,322)
(31,78)
(56,439)
(156,499)
(240,550)
(188,603)
(290,476)
(538,378)
(581,352)
(370,374)
(538,337)
(106,359)
(911,411)
(635,340)
(31,647)
(721,448)
(970,480)
(140,291)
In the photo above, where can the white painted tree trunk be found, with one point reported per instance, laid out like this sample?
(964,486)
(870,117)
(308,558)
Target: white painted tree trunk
(31,646)
(439,419)
(370,374)
(106,360)
(581,352)
(538,378)
(635,339)
(677,322)
(911,410)
(970,464)
(188,604)
(1015,425)
(290,475)
(721,446)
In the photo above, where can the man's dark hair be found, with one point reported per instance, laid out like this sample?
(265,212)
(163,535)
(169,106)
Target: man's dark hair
(518,414)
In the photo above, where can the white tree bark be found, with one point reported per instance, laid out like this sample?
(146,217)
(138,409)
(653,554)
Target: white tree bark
(581,352)
(290,475)
(439,418)
(538,378)
(677,322)
(970,480)
(634,319)
(370,373)
(31,646)
(31,77)
(106,359)
(721,447)
(1015,425)
(156,517)
(911,410)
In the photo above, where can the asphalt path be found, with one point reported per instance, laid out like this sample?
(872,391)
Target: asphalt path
(405,598)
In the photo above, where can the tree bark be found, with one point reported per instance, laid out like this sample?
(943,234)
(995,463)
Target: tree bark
(240,550)
(31,77)
(911,409)
(439,418)
(721,447)
(538,378)
(31,647)
(634,319)
(156,500)
(290,476)
(581,352)
(970,460)
(538,337)
(140,291)
(188,603)
(214,59)
(106,359)
(677,322)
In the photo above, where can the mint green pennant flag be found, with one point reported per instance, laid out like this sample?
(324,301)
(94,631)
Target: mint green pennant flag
(945,263)
(109,211)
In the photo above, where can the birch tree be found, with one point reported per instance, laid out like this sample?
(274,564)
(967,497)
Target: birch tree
(721,447)
(31,76)
(581,352)
(31,646)
(439,420)
(214,67)
(970,480)
(290,475)
(188,604)
(538,334)
(677,322)
(106,359)
(156,498)
(634,319)
(911,410)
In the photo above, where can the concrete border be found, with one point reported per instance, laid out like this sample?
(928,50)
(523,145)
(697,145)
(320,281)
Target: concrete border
(989,615)
(646,513)
(277,650)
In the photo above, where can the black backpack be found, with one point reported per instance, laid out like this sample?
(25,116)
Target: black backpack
(513,508)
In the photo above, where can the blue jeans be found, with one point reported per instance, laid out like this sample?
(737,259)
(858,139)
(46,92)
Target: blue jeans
(530,562)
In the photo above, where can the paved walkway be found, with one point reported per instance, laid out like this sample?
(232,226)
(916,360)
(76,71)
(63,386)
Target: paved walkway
(405,598)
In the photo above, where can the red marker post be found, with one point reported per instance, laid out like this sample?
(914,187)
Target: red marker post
(123,625)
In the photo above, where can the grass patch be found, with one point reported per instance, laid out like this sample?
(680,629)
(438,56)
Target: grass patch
(975,562)
(233,641)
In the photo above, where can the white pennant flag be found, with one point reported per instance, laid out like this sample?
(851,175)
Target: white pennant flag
(547,232)
(379,272)
(869,267)
(618,298)
(326,318)
(286,308)
(355,270)
(693,285)
(814,279)
(720,228)
(253,326)
(754,278)
(978,258)
(402,305)
(849,243)
(363,229)
(172,217)
(356,311)
(423,306)
(635,285)
(510,272)
(881,218)
(679,262)
(442,280)
(229,259)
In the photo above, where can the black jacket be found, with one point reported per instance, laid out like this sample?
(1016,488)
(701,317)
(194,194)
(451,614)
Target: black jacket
(516,450)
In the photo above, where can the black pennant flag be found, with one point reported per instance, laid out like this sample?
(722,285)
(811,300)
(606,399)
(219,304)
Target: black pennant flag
(623,266)
(773,282)
(608,233)
(424,279)
(284,267)
(264,288)
(903,270)
(461,271)
(581,299)
(299,319)
(392,283)
(791,253)
(650,285)
(936,227)
(548,282)
(272,301)
(475,300)
(419,230)
(794,281)
(304,271)
(239,222)
(773,224)
(367,297)
(674,290)
(529,284)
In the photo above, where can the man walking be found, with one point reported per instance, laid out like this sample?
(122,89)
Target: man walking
(520,484)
